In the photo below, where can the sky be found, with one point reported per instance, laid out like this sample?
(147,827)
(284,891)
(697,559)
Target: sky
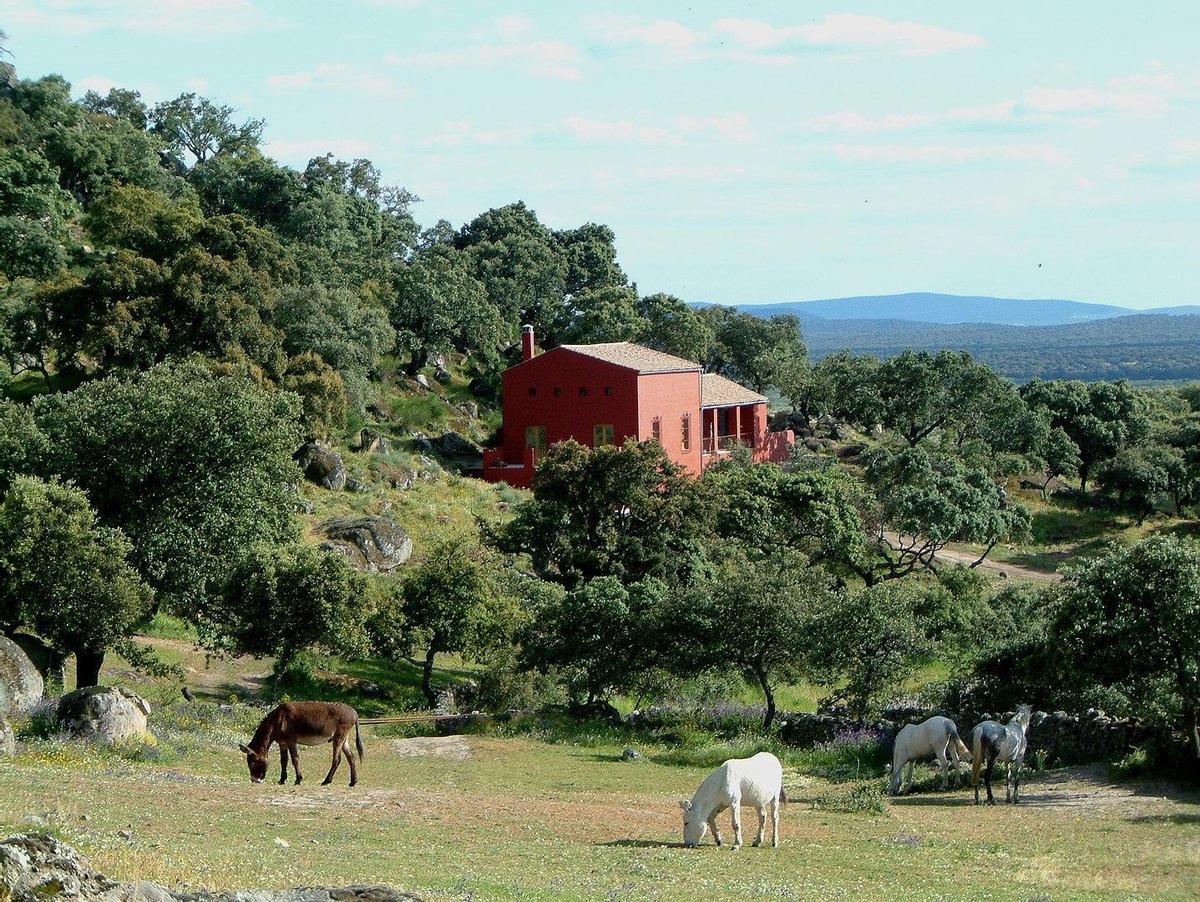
(742,152)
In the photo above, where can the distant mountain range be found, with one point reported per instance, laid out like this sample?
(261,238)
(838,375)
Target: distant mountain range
(1020,338)
(928,307)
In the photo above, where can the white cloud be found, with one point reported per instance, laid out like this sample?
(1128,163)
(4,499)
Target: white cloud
(464,133)
(511,27)
(946,154)
(174,17)
(659,33)
(340,77)
(98,83)
(754,40)
(733,127)
(556,59)
(1092,100)
(586,129)
(304,149)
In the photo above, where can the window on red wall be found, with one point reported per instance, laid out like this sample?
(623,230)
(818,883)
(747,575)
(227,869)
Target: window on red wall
(656,429)
(608,390)
(685,432)
(602,434)
(582,391)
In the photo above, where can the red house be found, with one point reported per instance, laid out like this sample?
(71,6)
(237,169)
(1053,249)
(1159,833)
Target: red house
(602,394)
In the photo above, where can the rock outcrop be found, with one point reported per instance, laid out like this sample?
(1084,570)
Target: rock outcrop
(373,544)
(8,742)
(108,714)
(322,465)
(21,684)
(372,441)
(40,868)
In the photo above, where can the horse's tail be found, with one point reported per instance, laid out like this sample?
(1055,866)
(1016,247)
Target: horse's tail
(976,754)
(782,794)
(963,751)
(358,742)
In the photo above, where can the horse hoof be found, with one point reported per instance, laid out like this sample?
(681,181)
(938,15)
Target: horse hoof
(297,781)
(326,782)
(353,782)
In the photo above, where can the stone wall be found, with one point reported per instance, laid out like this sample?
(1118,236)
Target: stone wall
(1064,738)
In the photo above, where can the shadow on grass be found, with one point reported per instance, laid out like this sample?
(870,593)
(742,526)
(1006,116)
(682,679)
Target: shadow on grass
(1180,819)
(643,844)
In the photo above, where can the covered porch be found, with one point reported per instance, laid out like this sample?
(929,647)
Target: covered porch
(725,428)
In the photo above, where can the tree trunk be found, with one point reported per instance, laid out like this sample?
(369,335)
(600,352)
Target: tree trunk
(87,667)
(1084,468)
(427,676)
(768,695)
(1196,728)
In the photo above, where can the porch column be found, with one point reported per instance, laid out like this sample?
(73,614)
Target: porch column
(737,425)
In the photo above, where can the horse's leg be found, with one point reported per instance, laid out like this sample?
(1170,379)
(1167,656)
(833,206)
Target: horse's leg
(295,753)
(349,752)
(283,758)
(987,776)
(712,825)
(737,823)
(762,826)
(775,822)
(941,757)
(338,739)
(951,747)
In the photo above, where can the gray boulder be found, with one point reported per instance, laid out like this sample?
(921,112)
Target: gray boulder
(373,544)
(110,714)
(442,376)
(40,868)
(457,449)
(423,381)
(21,685)
(322,465)
(8,742)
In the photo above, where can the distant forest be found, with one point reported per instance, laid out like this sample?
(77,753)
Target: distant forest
(1143,347)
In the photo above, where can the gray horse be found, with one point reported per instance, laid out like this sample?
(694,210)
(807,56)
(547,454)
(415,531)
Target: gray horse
(1004,743)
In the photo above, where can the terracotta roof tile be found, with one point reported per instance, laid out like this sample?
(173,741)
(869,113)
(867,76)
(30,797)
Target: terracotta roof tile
(717,391)
(635,357)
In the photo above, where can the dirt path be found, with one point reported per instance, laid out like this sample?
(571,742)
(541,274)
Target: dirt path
(1005,570)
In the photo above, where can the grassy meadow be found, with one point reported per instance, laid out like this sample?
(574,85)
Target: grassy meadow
(493,817)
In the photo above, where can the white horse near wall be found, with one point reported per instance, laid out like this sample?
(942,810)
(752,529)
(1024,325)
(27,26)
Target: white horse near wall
(755,781)
(937,736)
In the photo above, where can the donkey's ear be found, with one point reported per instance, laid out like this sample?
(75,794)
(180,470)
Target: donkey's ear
(244,750)
(685,804)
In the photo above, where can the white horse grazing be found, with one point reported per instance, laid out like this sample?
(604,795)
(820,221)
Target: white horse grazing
(756,781)
(937,736)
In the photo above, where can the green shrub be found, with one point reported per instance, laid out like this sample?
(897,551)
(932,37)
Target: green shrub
(865,797)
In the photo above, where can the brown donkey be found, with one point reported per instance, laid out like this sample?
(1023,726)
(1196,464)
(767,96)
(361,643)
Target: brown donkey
(304,723)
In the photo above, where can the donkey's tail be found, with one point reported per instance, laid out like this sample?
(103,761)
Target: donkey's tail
(358,742)
(976,755)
